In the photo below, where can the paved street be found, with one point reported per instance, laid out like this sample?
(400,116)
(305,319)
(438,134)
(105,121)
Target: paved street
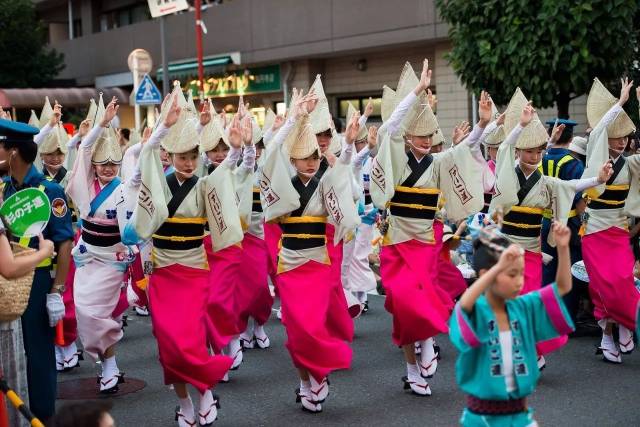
(576,389)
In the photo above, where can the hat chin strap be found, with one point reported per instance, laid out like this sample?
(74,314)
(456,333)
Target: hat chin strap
(423,151)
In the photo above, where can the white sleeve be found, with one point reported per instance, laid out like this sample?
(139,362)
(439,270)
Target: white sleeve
(199,128)
(392,125)
(513,135)
(157,136)
(585,183)
(284,131)
(267,136)
(609,116)
(46,130)
(363,120)
(249,157)
(473,139)
(232,158)
(345,155)
(91,137)
(73,141)
(490,128)
(359,158)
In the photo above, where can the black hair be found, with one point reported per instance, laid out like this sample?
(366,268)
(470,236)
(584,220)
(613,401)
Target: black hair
(337,123)
(126,133)
(487,248)
(260,144)
(27,150)
(84,414)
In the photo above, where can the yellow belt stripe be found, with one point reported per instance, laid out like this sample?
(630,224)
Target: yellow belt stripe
(519,225)
(175,220)
(609,202)
(414,206)
(303,219)
(527,209)
(178,238)
(549,214)
(619,187)
(417,190)
(304,236)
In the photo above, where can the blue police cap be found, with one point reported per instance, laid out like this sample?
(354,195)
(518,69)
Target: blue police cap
(568,123)
(11,131)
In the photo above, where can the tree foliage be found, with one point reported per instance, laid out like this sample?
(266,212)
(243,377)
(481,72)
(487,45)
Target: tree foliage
(551,49)
(26,62)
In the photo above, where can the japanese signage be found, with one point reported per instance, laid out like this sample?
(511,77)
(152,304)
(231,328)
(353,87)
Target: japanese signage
(27,212)
(165,7)
(240,82)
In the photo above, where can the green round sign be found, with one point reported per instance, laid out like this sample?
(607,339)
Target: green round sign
(26,213)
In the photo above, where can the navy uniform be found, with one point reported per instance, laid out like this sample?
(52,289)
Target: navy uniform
(559,162)
(38,335)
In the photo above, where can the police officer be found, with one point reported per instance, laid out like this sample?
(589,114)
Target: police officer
(45,308)
(559,162)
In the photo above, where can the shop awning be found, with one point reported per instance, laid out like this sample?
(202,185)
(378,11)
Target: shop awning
(67,97)
(186,69)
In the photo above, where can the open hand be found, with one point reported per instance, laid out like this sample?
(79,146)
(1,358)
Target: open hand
(460,132)
(173,114)
(353,127)
(57,114)
(561,234)
(205,114)
(372,137)
(247,130)
(484,108)
(368,110)
(556,132)
(624,90)
(110,112)
(85,127)
(278,122)
(509,256)
(605,172)
(527,114)
(425,76)
(235,133)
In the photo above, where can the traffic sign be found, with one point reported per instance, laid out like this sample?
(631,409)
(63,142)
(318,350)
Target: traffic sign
(165,7)
(147,93)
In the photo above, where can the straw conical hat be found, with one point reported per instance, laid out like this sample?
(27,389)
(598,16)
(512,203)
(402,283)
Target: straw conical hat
(362,132)
(269,120)
(494,112)
(191,105)
(495,137)
(600,100)
(534,134)
(100,110)
(93,109)
(106,149)
(46,113)
(437,138)
(407,82)
(183,136)
(212,134)
(388,103)
(33,120)
(55,140)
(176,93)
(256,131)
(320,117)
(422,121)
(301,142)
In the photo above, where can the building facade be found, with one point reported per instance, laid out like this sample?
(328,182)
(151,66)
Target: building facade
(262,49)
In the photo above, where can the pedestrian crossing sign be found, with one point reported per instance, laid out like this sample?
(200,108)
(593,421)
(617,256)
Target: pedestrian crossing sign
(147,92)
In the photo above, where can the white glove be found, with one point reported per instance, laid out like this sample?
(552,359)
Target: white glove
(55,308)
(132,297)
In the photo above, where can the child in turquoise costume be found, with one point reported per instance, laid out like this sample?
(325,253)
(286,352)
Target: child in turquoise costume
(496,330)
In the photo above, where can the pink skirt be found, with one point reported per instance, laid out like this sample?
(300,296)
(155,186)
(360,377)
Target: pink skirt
(272,234)
(123,303)
(308,308)
(178,299)
(253,293)
(137,276)
(533,282)
(340,324)
(443,276)
(418,310)
(69,323)
(609,262)
(450,279)
(223,320)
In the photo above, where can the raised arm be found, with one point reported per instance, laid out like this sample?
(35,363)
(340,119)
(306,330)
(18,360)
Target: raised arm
(53,122)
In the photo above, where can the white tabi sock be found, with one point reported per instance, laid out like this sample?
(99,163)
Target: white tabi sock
(413,372)
(109,367)
(186,408)
(305,387)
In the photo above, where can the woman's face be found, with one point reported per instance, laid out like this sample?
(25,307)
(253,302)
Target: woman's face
(421,142)
(107,172)
(531,157)
(165,158)
(324,140)
(54,160)
(218,154)
(618,144)
(307,167)
(493,153)
(185,163)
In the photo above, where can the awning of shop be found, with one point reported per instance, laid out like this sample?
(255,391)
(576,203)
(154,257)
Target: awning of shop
(185,69)
(67,97)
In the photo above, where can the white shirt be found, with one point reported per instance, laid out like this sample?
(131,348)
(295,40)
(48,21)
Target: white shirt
(506,348)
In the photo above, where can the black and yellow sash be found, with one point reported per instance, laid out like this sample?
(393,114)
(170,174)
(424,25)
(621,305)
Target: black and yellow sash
(303,232)
(524,221)
(614,196)
(256,205)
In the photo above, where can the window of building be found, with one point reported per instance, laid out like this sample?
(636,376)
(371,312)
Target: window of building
(124,16)
(359,104)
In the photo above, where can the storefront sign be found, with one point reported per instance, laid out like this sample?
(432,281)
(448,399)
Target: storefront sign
(240,82)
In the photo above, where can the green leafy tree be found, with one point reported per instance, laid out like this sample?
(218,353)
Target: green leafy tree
(25,60)
(551,49)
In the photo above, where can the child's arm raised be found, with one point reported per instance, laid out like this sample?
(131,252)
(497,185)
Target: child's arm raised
(562,235)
